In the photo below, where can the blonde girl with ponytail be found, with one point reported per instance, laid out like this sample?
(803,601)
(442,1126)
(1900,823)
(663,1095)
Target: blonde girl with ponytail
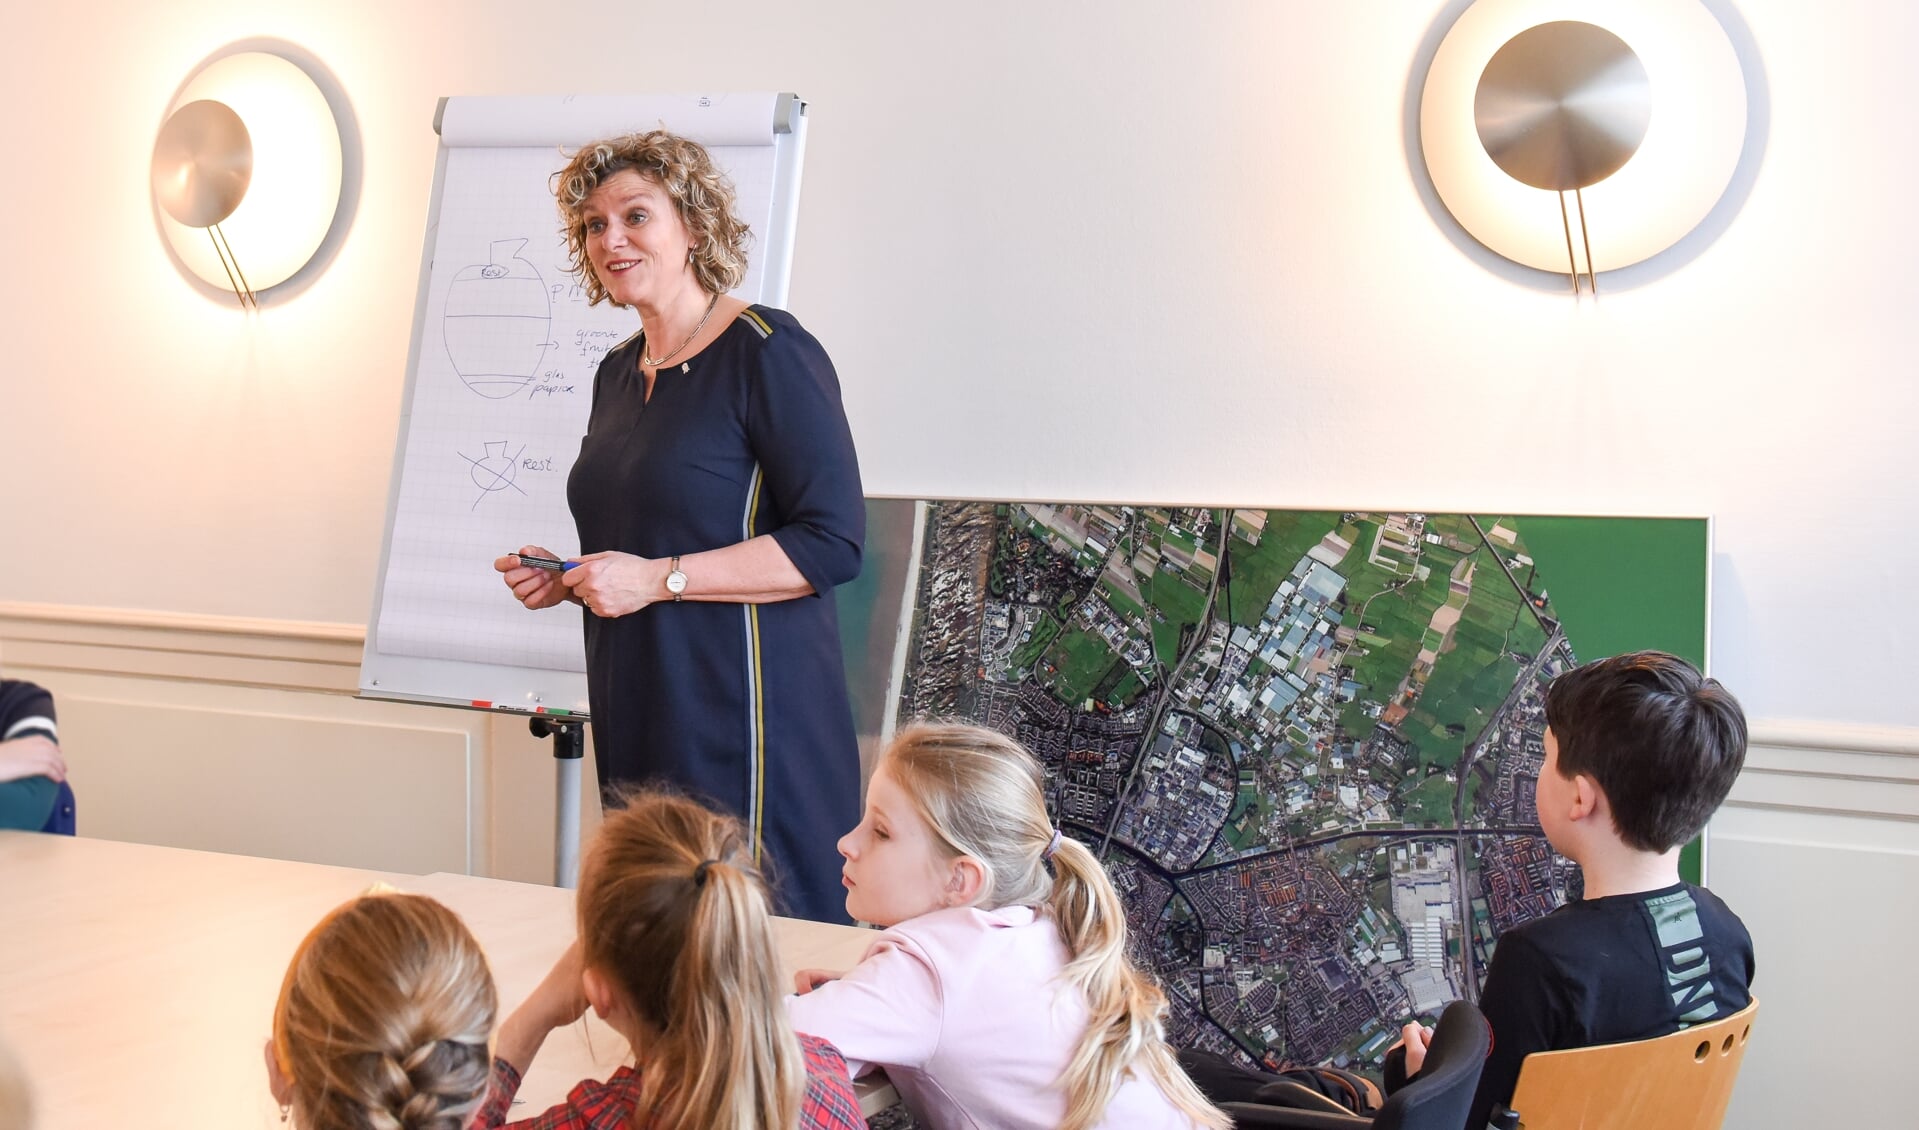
(676,953)
(384,1022)
(999,992)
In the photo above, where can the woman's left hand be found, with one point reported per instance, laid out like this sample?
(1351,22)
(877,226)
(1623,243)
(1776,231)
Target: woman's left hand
(613,584)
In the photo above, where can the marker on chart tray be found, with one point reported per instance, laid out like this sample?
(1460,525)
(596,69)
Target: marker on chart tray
(483,704)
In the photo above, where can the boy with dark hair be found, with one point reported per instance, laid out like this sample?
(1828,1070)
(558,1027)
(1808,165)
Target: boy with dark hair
(1640,750)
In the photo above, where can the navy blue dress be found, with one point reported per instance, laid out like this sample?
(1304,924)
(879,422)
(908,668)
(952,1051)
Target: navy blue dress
(743,706)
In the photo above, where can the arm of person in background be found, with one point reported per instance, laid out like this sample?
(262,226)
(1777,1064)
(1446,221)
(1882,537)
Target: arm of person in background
(797,428)
(31,765)
(34,755)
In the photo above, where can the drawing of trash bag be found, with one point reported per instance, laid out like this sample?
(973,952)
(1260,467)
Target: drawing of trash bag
(497,322)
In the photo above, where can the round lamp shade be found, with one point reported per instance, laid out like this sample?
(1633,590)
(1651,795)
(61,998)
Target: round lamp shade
(1562,106)
(250,144)
(202,163)
(1638,104)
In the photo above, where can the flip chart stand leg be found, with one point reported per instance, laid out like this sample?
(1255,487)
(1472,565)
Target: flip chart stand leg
(569,749)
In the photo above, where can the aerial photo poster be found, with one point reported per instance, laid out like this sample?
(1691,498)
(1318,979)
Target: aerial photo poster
(1304,742)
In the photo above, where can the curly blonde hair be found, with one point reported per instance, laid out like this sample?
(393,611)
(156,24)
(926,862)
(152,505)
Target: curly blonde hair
(385,1019)
(702,196)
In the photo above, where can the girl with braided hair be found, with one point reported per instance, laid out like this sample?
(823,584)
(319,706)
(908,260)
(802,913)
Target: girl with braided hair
(676,953)
(999,993)
(384,1020)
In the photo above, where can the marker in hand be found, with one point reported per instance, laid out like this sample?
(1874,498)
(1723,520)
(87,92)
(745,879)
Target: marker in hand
(551,564)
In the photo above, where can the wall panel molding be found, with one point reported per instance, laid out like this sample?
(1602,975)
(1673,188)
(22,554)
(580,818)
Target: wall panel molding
(1811,782)
(318,631)
(1825,786)
(259,773)
(232,650)
(1846,736)
(239,734)
(1867,772)
(304,638)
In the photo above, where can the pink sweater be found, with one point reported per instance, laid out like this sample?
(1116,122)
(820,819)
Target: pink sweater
(965,1012)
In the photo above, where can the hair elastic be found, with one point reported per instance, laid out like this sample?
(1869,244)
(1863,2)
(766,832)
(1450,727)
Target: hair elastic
(1052,845)
(699,873)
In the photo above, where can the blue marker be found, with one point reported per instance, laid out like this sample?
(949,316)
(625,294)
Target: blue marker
(552,564)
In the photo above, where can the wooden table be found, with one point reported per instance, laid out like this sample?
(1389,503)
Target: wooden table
(137,983)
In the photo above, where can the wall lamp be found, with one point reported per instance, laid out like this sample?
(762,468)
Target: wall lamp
(247,172)
(1635,109)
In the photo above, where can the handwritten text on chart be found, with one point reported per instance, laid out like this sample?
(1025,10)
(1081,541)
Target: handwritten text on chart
(593,344)
(551,383)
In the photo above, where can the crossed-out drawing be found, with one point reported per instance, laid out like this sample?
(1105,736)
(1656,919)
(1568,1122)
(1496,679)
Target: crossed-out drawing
(493,471)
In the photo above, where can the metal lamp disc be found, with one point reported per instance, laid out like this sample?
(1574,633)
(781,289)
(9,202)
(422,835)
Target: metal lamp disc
(202,163)
(1563,105)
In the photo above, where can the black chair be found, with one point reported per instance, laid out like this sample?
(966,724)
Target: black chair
(61,822)
(1439,1099)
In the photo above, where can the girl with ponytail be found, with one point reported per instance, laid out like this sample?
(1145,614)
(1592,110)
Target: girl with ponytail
(384,1020)
(999,993)
(676,953)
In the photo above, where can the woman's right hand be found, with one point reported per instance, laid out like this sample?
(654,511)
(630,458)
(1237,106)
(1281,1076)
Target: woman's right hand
(535,588)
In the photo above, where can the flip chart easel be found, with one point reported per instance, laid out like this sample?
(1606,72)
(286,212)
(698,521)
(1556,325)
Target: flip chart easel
(499,382)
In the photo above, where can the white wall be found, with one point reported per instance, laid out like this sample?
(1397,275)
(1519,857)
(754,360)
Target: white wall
(1818,852)
(1118,250)
(1187,250)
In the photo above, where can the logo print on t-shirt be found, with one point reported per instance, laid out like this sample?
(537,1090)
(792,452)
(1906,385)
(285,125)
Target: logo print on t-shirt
(1688,969)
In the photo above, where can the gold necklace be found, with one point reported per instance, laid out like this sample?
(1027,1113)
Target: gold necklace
(656,362)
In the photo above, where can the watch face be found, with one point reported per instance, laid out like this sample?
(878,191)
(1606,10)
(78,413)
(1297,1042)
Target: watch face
(676,581)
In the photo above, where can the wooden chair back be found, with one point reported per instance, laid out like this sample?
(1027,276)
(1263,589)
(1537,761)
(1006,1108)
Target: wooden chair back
(1677,1082)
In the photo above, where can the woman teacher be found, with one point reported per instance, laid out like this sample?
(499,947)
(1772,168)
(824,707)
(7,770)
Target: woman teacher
(718,502)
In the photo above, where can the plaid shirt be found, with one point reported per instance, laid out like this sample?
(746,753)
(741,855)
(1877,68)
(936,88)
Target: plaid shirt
(829,1102)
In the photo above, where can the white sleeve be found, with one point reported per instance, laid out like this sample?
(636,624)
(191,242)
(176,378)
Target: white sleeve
(32,724)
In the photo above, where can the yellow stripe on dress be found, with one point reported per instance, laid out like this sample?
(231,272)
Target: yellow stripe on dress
(759,735)
(756,804)
(766,330)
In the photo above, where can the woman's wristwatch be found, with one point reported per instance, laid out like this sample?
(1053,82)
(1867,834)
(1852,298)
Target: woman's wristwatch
(675,580)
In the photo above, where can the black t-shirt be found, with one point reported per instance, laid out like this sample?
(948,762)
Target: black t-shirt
(1606,971)
(25,709)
